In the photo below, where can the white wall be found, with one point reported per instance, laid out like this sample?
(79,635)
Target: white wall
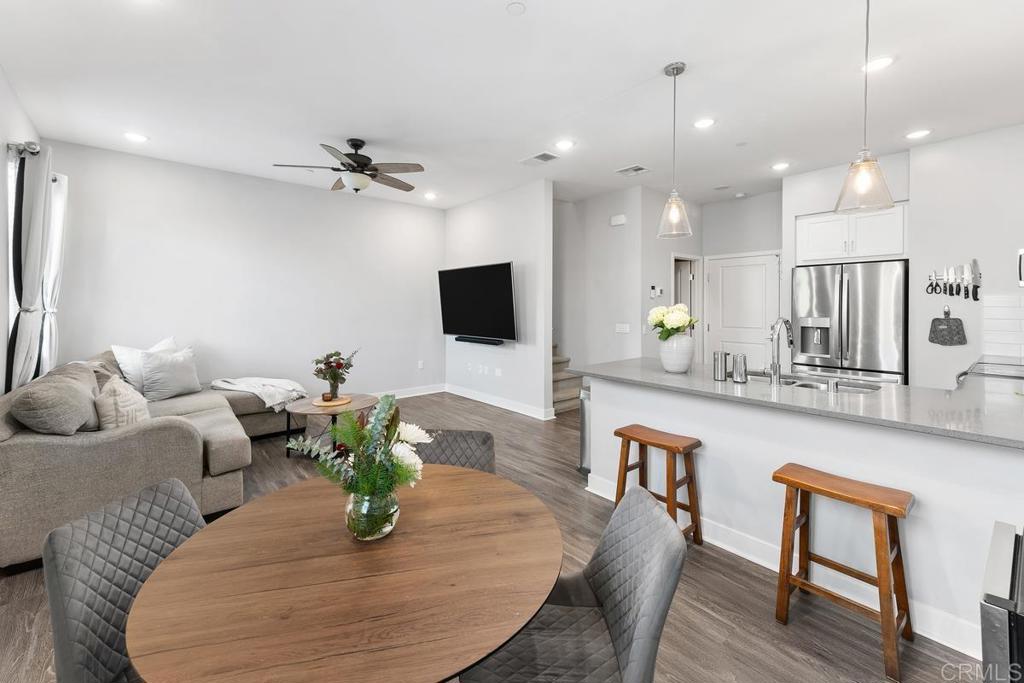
(613,276)
(656,265)
(260,276)
(737,226)
(516,226)
(569,294)
(964,203)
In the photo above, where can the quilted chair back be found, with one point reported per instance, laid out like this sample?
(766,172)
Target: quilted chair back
(462,448)
(634,573)
(94,568)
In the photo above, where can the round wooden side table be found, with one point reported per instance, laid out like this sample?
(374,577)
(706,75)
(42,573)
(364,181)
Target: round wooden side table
(304,406)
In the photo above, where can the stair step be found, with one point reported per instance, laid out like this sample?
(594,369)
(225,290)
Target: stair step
(560,359)
(567,405)
(563,374)
(565,394)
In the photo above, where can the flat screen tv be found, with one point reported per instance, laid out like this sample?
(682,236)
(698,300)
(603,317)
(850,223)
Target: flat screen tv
(478,302)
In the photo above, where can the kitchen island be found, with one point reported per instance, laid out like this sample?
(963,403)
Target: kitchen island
(960,452)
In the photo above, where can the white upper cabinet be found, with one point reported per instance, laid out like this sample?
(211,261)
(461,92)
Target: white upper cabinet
(851,236)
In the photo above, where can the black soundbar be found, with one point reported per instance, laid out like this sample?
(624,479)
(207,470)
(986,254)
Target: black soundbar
(489,341)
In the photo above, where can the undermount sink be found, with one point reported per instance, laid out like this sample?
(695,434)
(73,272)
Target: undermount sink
(800,382)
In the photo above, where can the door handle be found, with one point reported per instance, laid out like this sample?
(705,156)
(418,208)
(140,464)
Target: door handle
(846,320)
(1020,267)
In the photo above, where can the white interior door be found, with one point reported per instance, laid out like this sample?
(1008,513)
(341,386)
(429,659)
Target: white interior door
(742,304)
(683,279)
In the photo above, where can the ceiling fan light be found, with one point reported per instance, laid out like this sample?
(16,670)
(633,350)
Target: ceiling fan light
(674,221)
(355,181)
(865,188)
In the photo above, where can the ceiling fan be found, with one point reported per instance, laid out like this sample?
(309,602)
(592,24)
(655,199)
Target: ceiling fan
(358,170)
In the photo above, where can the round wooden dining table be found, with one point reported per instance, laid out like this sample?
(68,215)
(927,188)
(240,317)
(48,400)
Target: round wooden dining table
(279,590)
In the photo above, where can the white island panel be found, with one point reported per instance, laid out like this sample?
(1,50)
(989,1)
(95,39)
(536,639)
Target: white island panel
(961,487)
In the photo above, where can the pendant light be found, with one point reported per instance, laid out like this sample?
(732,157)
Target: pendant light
(864,188)
(674,222)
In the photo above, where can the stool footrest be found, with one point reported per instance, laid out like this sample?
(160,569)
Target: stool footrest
(635,466)
(679,506)
(801,519)
(836,598)
(682,481)
(843,569)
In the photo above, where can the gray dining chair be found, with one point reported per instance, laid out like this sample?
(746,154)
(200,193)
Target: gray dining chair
(459,447)
(601,625)
(94,568)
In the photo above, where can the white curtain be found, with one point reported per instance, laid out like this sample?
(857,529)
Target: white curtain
(32,348)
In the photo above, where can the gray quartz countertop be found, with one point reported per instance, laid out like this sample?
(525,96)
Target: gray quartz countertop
(982,409)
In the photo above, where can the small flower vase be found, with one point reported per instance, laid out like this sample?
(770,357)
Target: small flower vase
(371,517)
(677,353)
(334,390)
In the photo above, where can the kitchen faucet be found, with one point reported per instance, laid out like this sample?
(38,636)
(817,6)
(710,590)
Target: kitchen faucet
(775,369)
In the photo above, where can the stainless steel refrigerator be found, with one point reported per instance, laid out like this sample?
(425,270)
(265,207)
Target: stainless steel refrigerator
(850,320)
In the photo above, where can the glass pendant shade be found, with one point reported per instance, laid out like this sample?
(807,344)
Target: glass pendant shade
(864,188)
(674,221)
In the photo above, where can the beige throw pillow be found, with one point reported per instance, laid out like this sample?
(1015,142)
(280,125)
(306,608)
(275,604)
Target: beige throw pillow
(119,405)
(61,402)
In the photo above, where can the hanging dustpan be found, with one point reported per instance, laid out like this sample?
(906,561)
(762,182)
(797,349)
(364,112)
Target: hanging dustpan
(947,331)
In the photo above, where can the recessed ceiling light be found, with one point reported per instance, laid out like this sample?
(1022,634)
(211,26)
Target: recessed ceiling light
(565,144)
(740,195)
(780,166)
(703,123)
(430,196)
(135,137)
(877,64)
(918,134)
(516,8)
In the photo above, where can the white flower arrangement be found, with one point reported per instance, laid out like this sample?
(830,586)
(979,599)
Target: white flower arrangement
(671,320)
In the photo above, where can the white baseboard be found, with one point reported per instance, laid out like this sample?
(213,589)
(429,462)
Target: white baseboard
(940,626)
(413,391)
(498,401)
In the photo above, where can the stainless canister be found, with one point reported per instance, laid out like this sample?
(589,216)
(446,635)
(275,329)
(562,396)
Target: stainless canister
(721,361)
(739,368)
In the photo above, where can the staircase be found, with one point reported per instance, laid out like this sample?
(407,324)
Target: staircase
(565,387)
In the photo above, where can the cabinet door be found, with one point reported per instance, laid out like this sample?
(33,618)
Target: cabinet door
(879,233)
(821,237)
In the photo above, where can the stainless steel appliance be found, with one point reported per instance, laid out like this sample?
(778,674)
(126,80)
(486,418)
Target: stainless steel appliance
(721,366)
(851,320)
(1002,606)
(584,430)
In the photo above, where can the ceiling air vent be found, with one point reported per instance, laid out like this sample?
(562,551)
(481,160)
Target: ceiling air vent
(538,159)
(635,169)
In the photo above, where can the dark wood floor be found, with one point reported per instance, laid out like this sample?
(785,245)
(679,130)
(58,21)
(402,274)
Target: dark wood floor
(721,627)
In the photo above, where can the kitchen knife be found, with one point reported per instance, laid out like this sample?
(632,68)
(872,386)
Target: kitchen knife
(975,278)
(965,276)
(945,280)
(959,280)
(951,276)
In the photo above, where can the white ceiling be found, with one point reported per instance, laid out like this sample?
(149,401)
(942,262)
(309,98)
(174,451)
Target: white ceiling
(467,90)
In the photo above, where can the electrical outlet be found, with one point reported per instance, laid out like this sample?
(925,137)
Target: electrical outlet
(497,372)
(622,328)
(419,365)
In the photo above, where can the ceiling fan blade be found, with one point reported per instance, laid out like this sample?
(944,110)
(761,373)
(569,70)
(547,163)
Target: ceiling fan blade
(339,184)
(299,166)
(384,179)
(398,168)
(339,155)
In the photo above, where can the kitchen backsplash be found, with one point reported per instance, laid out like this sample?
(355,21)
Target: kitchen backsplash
(1004,325)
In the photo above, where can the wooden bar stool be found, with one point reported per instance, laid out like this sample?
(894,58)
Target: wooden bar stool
(673,445)
(887,506)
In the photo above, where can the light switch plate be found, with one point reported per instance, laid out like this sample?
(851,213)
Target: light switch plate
(622,328)
(617,221)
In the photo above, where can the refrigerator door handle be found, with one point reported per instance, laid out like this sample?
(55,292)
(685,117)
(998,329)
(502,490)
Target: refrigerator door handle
(835,342)
(846,317)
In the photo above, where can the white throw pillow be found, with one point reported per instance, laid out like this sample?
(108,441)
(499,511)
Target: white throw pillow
(165,375)
(118,405)
(130,360)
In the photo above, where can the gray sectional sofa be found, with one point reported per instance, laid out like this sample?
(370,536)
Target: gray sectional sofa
(47,480)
